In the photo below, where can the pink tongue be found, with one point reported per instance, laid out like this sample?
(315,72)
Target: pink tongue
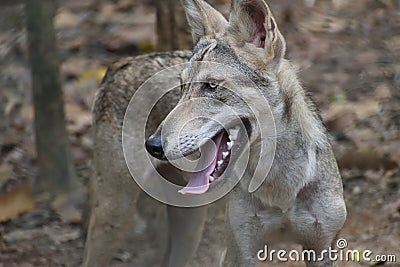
(199,182)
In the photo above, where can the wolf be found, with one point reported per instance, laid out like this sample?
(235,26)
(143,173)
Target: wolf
(299,199)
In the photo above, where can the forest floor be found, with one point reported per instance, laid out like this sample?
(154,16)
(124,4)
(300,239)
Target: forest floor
(348,54)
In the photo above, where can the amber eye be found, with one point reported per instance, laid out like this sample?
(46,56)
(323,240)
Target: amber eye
(212,85)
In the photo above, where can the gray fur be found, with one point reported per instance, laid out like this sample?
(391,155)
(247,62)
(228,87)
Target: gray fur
(301,199)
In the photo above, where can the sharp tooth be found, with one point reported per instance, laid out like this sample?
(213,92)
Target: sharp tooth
(220,163)
(230,145)
(233,133)
(225,154)
(212,178)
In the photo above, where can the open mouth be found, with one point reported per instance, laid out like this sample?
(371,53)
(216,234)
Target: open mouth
(225,143)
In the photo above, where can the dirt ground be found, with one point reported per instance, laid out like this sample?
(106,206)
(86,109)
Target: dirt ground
(348,54)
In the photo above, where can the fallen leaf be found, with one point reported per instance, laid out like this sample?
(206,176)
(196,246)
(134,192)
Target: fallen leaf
(93,74)
(26,113)
(124,5)
(122,37)
(141,17)
(70,207)
(66,19)
(79,4)
(75,43)
(6,170)
(341,122)
(21,235)
(383,91)
(123,256)
(34,219)
(62,235)
(362,109)
(16,201)
(77,66)
(78,118)
(322,23)
(367,158)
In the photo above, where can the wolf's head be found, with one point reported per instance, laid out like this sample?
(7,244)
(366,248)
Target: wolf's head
(229,80)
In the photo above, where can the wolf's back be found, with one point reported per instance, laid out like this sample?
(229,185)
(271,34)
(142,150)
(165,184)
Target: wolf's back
(125,76)
(112,191)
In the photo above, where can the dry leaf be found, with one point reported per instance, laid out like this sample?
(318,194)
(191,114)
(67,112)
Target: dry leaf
(93,74)
(341,122)
(367,158)
(70,207)
(26,113)
(78,118)
(383,91)
(16,201)
(65,19)
(6,170)
(77,66)
(362,109)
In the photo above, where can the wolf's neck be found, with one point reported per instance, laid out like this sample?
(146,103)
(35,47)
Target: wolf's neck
(301,115)
(300,135)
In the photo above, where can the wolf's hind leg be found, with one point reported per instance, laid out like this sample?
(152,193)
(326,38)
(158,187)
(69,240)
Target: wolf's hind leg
(111,217)
(113,195)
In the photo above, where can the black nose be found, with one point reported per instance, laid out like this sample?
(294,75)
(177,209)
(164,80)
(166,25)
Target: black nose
(154,147)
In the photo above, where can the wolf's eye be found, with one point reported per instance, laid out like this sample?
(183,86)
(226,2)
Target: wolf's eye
(212,85)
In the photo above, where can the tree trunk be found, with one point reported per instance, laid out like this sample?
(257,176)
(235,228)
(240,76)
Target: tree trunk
(11,2)
(56,172)
(172,28)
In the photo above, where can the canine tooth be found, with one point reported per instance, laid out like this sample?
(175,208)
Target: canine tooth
(212,178)
(225,154)
(220,163)
(230,144)
(233,133)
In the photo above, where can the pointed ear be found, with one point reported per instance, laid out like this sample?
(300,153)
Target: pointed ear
(203,19)
(251,21)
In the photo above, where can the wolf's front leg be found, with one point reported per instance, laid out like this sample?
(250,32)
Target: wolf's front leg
(185,225)
(317,226)
(185,230)
(242,233)
(323,259)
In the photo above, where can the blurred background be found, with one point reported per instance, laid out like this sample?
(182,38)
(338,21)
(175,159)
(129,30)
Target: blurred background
(348,54)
